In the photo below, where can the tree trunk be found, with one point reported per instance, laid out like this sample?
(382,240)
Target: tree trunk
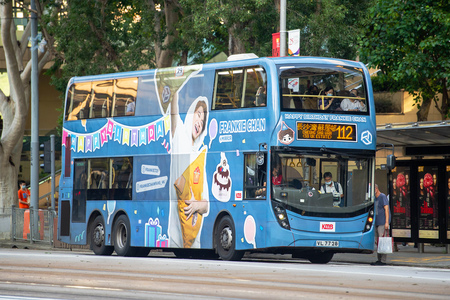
(445,106)
(235,44)
(164,58)
(14,108)
(8,183)
(422,113)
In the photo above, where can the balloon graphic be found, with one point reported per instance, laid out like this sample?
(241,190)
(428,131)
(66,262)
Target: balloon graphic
(212,131)
(111,206)
(250,230)
(83,123)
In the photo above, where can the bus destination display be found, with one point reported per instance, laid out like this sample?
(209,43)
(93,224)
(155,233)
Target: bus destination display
(326,131)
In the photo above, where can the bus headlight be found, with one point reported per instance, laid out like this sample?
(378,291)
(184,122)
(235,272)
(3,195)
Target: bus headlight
(369,221)
(280,214)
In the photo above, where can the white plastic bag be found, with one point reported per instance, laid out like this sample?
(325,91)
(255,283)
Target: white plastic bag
(385,245)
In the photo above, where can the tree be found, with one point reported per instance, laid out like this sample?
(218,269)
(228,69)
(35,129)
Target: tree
(14,108)
(409,42)
(230,26)
(328,28)
(97,37)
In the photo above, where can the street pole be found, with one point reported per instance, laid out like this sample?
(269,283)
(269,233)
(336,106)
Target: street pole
(52,146)
(282,28)
(34,181)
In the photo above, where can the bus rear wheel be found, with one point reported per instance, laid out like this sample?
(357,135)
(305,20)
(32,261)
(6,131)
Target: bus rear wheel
(225,240)
(97,238)
(122,237)
(320,257)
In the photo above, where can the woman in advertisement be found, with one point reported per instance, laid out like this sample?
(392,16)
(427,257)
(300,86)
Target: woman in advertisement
(188,189)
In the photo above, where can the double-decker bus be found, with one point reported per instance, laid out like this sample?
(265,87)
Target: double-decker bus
(221,159)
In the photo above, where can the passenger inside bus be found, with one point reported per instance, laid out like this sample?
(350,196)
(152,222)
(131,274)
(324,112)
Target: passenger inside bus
(332,187)
(276,180)
(311,102)
(328,102)
(130,107)
(352,103)
(261,96)
(276,175)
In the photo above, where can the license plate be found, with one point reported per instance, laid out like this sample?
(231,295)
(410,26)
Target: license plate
(327,243)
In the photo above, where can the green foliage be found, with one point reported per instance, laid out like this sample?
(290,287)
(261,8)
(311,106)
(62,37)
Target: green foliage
(382,83)
(96,37)
(328,28)
(207,24)
(409,42)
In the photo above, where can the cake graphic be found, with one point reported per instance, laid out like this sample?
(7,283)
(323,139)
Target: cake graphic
(221,185)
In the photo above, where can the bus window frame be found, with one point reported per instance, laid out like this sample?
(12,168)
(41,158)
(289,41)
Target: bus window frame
(264,180)
(243,86)
(363,93)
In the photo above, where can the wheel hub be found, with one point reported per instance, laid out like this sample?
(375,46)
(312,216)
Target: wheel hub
(99,235)
(226,238)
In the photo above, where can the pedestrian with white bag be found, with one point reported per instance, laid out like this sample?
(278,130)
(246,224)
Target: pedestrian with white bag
(382,220)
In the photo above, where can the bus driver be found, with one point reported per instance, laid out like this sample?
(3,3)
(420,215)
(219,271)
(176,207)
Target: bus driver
(332,187)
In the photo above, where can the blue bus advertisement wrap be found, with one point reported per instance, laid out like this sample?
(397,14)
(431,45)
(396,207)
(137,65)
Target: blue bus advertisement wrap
(223,158)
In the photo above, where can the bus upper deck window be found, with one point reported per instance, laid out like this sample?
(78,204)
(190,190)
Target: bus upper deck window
(240,88)
(100,105)
(125,92)
(78,101)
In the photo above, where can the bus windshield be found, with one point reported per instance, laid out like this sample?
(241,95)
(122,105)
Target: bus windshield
(332,89)
(321,182)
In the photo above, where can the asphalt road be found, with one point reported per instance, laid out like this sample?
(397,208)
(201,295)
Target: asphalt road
(37,274)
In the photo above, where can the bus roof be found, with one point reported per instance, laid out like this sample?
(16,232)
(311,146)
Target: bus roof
(229,64)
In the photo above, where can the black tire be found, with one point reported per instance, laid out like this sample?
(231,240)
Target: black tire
(225,240)
(97,237)
(320,257)
(122,237)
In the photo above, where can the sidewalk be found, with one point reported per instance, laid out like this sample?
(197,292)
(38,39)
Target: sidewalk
(433,257)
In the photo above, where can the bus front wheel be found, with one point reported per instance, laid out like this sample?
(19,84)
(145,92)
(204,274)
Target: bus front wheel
(122,237)
(225,240)
(320,257)
(97,238)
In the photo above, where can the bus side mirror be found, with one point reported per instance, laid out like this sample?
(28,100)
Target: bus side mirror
(390,162)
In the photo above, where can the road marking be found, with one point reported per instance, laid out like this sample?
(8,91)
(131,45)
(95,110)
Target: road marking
(91,288)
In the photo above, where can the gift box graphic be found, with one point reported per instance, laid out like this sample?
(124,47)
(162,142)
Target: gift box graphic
(162,241)
(152,232)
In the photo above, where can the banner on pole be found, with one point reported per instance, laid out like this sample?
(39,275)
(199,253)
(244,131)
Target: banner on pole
(276,44)
(294,42)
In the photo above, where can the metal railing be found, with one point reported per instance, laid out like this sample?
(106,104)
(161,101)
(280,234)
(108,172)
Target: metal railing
(23,228)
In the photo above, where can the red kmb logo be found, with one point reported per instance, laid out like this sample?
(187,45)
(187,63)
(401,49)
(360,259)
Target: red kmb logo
(327,226)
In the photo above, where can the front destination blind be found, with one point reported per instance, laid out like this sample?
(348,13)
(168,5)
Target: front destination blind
(326,131)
